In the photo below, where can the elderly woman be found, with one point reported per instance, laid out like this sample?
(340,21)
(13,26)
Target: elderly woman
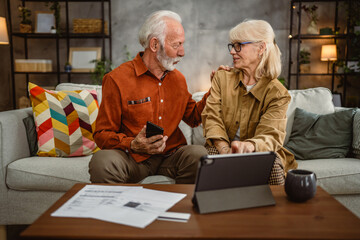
(246,111)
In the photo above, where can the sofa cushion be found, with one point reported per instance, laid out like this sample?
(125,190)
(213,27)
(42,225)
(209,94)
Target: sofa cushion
(314,100)
(65,121)
(57,174)
(186,130)
(316,136)
(336,176)
(197,137)
(78,86)
(47,173)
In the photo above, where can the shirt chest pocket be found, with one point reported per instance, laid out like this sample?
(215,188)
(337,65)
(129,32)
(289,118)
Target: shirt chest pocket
(139,113)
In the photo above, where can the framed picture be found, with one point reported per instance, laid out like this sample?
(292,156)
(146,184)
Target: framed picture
(44,21)
(353,65)
(81,58)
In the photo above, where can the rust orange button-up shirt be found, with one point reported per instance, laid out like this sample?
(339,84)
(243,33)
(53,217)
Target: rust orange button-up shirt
(132,95)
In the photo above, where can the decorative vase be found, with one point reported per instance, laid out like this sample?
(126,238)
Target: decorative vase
(67,68)
(340,70)
(25,28)
(312,28)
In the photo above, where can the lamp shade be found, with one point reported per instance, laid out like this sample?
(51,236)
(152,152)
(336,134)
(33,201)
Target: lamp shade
(328,53)
(3,31)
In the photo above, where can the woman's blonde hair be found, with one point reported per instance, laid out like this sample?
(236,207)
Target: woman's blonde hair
(260,31)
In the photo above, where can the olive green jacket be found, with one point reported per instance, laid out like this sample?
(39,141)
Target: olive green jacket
(260,113)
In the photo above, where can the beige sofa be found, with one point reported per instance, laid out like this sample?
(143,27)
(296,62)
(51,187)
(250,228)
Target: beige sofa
(30,185)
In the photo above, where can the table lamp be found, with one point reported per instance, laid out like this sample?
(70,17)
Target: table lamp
(3,31)
(328,53)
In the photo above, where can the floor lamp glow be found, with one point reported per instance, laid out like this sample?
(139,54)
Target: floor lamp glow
(4,39)
(328,53)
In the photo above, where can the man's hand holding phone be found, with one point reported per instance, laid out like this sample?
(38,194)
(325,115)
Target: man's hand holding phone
(155,143)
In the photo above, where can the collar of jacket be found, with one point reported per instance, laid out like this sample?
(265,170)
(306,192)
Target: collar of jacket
(258,90)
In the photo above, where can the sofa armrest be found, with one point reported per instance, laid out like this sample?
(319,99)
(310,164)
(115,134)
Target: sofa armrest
(13,146)
(339,109)
(13,140)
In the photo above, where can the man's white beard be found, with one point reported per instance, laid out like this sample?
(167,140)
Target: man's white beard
(167,62)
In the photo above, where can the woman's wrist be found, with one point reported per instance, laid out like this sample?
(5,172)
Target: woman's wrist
(222,146)
(224,149)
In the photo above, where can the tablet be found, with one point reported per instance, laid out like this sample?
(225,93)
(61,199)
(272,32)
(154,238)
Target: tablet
(233,181)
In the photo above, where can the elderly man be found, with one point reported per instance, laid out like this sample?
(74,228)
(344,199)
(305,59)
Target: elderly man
(148,88)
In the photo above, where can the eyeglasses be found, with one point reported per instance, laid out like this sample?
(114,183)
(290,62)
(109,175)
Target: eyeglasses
(237,46)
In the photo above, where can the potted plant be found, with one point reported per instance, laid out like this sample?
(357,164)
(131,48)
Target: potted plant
(53,29)
(353,14)
(127,54)
(55,7)
(282,80)
(304,61)
(340,66)
(25,23)
(101,68)
(312,14)
(67,67)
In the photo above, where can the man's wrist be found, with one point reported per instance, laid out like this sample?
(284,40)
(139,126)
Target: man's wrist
(132,145)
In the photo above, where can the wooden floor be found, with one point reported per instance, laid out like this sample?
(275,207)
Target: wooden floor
(2,232)
(11,232)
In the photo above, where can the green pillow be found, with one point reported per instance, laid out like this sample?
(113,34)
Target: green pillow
(31,134)
(316,136)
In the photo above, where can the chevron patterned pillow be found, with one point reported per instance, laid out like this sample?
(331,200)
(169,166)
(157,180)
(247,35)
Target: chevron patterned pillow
(65,121)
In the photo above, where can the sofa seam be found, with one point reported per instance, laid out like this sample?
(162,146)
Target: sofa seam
(340,175)
(43,175)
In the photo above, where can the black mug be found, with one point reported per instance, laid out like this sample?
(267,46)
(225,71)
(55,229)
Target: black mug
(300,185)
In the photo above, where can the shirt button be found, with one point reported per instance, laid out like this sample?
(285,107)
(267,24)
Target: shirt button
(161,100)
(159,84)
(160,118)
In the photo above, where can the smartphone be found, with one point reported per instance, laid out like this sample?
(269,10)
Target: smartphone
(153,129)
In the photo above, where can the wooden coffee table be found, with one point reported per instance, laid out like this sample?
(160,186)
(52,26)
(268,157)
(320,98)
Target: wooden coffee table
(319,218)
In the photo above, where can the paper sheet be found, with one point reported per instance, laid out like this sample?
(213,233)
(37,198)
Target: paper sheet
(88,198)
(132,206)
(174,216)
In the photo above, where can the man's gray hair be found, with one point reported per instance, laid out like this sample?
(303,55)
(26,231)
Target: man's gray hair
(155,26)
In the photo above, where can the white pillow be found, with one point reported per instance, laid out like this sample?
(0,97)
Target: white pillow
(78,86)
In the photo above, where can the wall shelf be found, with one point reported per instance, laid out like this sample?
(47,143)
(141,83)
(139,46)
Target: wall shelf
(297,37)
(62,36)
(62,42)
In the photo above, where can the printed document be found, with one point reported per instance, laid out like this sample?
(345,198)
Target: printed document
(133,206)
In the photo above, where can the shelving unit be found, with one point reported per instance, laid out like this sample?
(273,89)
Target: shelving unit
(65,37)
(297,38)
